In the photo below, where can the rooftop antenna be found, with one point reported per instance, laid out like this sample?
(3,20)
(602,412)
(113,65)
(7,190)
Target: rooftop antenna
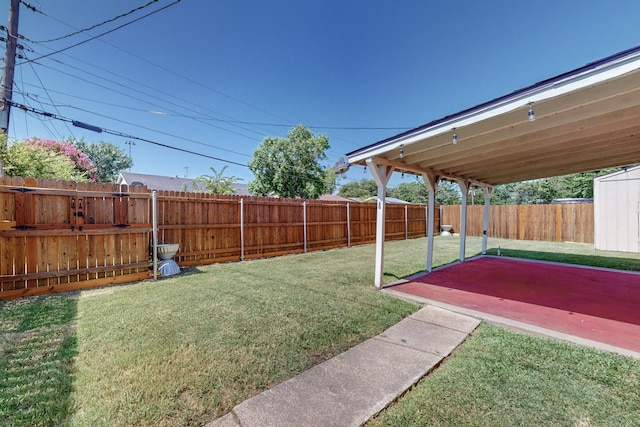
(186,171)
(130,143)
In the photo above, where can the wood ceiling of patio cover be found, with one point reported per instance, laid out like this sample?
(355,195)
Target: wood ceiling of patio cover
(586,119)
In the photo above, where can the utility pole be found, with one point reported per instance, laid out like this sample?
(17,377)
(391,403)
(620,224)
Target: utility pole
(7,73)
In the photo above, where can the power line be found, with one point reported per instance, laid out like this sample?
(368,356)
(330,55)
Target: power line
(201,118)
(189,79)
(102,34)
(236,122)
(34,96)
(47,93)
(118,133)
(209,118)
(128,95)
(93,26)
(138,138)
(133,97)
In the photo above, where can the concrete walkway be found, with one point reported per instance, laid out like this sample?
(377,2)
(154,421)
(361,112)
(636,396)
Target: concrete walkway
(352,387)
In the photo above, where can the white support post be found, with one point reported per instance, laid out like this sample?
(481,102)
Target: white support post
(381,174)
(485,221)
(304,220)
(431,181)
(241,229)
(348,225)
(464,189)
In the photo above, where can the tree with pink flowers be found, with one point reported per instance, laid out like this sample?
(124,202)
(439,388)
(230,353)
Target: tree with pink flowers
(78,158)
(46,158)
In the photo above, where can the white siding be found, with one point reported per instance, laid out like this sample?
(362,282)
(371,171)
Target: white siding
(616,205)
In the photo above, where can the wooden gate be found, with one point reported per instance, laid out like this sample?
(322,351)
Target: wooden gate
(58,236)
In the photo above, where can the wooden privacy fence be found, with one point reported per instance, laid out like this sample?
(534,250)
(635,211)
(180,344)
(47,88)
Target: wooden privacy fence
(58,236)
(553,223)
(215,228)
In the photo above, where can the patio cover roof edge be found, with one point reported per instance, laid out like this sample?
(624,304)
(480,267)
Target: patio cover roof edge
(444,124)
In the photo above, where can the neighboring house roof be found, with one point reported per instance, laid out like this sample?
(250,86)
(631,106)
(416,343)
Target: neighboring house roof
(170,183)
(391,200)
(572,200)
(336,198)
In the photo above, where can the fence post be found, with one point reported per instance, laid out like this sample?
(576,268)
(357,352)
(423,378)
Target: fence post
(426,220)
(304,221)
(241,229)
(154,212)
(406,222)
(348,225)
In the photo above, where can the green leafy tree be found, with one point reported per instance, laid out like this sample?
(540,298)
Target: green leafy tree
(3,151)
(526,192)
(581,184)
(217,183)
(290,167)
(414,192)
(330,179)
(33,160)
(108,158)
(550,189)
(448,193)
(501,194)
(362,189)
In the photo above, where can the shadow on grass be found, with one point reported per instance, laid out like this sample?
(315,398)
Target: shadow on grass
(403,277)
(187,271)
(630,264)
(38,346)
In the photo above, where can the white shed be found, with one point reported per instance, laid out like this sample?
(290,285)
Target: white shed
(617,211)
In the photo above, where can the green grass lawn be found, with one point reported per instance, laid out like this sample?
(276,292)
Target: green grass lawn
(186,349)
(500,378)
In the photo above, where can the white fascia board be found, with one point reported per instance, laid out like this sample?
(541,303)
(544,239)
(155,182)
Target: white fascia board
(608,178)
(553,89)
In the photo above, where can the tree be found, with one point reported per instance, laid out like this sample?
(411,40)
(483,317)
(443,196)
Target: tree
(217,183)
(448,193)
(78,158)
(27,159)
(362,189)
(413,192)
(501,194)
(3,151)
(290,167)
(107,157)
(330,179)
(581,184)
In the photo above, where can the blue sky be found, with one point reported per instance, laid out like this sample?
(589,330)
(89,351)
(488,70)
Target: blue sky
(179,76)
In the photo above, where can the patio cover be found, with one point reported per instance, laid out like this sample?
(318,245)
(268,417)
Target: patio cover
(585,119)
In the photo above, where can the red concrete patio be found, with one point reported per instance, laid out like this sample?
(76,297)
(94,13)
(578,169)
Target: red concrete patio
(597,304)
